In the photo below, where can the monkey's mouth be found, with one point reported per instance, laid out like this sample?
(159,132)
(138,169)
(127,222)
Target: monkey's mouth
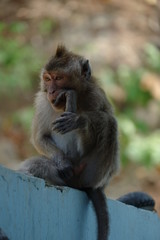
(59,104)
(58,99)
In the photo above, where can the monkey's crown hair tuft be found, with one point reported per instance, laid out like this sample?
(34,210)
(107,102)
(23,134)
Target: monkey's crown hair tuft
(61,50)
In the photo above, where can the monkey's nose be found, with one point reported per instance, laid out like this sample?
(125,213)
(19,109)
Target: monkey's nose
(52,91)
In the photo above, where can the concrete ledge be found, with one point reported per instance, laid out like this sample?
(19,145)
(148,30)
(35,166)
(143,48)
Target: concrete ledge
(30,210)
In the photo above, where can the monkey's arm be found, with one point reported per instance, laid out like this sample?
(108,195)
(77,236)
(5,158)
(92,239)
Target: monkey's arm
(98,134)
(42,141)
(95,127)
(68,121)
(88,122)
(41,132)
(71,101)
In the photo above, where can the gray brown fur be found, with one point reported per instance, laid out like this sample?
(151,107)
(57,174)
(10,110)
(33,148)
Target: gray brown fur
(83,133)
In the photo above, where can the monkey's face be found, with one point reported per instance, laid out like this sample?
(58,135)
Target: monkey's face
(55,84)
(64,71)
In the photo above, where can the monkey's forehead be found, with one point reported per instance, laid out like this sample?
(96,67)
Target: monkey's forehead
(64,64)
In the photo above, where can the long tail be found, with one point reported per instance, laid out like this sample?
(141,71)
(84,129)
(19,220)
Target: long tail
(100,205)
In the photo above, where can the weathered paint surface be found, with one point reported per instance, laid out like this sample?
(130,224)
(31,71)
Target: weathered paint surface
(30,210)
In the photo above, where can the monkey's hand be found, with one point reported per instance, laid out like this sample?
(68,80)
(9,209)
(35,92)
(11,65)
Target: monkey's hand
(67,122)
(67,98)
(60,99)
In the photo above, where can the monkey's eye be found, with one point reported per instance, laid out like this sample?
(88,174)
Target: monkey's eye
(47,79)
(58,78)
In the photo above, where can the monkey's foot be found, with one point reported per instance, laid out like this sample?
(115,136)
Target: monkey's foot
(67,122)
(39,167)
(65,173)
(24,169)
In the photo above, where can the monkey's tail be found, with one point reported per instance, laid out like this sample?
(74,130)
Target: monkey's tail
(100,205)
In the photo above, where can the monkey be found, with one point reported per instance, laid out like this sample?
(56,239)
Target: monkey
(75,132)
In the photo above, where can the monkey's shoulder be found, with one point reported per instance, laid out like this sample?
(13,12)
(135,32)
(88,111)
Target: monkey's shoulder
(95,99)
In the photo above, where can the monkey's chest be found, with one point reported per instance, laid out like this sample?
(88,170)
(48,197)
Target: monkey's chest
(70,143)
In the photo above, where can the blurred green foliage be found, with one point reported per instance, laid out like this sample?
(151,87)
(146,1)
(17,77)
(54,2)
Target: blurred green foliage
(18,61)
(130,79)
(17,27)
(137,146)
(46,26)
(23,117)
(152,57)
(19,68)
(138,142)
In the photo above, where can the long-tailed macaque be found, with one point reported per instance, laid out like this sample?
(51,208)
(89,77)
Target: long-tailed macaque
(75,131)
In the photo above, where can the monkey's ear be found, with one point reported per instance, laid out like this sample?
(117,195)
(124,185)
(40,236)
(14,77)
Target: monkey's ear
(61,50)
(86,69)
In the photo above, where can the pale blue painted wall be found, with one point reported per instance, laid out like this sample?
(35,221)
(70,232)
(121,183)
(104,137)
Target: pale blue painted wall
(29,210)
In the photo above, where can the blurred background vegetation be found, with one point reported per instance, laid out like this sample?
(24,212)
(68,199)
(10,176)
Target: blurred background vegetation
(121,39)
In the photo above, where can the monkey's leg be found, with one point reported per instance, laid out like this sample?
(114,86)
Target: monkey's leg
(45,168)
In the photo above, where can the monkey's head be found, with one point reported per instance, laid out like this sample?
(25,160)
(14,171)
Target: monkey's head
(65,70)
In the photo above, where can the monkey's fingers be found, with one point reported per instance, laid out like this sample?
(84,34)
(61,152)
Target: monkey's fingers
(79,120)
(69,114)
(65,117)
(61,122)
(63,128)
(67,122)
(66,130)
(61,97)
